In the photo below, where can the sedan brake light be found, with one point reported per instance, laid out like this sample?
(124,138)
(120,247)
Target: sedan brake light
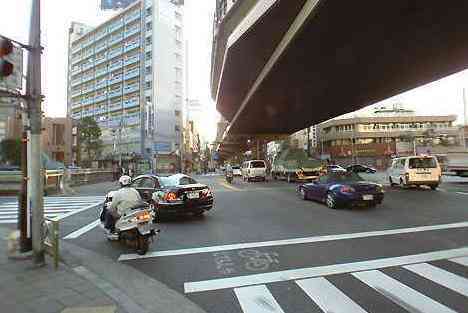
(206,193)
(170,196)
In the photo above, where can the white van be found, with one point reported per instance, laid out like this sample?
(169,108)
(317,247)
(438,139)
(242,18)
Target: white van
(415,170)
(254,170)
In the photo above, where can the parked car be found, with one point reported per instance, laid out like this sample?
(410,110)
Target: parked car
(415,170)
(360,168)
(175,194)
(254,170)
(236,170)
(335,168)
(342,189)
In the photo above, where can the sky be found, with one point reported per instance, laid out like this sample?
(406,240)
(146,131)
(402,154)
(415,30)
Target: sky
(441,97)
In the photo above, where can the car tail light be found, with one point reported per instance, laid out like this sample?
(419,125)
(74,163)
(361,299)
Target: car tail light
(170,196)
(347,189)
(407,177)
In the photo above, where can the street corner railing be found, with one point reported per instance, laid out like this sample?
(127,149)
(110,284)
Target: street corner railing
(51,239)
(89,176)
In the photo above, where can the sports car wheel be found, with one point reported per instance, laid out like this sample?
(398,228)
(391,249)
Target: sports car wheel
(302,194)
(331,201)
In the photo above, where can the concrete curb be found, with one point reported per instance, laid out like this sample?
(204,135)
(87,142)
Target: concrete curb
(146,292)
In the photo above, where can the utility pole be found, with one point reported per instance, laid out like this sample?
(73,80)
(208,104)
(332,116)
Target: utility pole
(33,91)
(24,221)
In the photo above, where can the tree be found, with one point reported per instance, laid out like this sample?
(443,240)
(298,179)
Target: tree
(90,137)
(10,151)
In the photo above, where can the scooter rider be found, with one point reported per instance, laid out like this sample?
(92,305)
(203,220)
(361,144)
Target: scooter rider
(122,200)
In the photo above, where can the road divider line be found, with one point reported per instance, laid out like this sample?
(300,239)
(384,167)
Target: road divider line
(229,186)
(318,271)
(295,241)
(77,233)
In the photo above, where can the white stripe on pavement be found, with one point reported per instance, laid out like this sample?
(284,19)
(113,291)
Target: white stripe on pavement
(300,273)
(328,297)
(77,233)
(46,211)
(461,261)
(442,277)
(294,241)
(406,297)
(462,193)
(8,221)
(79,210)
(257,299)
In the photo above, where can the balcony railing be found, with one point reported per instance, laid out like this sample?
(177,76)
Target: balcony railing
(88,53)
(76,60)
(101,34)
(115,39)
(101,60)
(76,70)
(114,107)
(131,60)
(115,93)
(131,88)
(115,65)
(114,53)
(100,98)
(101,71)
(130,103)
(116,79)
(88,78)
(88,89)
(100,48)
(76,93)
(76,104)
(76,82)
(76,115)
(132,17)
(76,48)
(87,101)
(132,31)
(132,73)
(101,84)
(115,26)
(89,42)
(131,46)
(87,66)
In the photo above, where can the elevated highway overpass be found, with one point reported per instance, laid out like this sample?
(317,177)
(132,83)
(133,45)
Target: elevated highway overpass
(290,64)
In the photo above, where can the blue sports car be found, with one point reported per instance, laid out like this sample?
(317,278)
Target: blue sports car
(342,189)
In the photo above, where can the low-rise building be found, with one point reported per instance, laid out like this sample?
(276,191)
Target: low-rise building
(60,139)
(373,136)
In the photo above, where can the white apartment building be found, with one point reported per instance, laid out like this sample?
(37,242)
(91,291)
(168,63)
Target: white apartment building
(129,70)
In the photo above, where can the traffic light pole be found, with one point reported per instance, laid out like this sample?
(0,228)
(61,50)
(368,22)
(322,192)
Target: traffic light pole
(33,90)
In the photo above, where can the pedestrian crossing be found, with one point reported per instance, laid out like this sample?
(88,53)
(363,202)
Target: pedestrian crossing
(54,207)
(329,297)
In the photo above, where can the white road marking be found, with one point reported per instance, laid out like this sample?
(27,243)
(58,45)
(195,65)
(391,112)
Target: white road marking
(77,233)
(442,277)
(328,297)
(300,273)
(257,299)
(462,193)
(284,242)
(406,297)
(462,260)
(8,221)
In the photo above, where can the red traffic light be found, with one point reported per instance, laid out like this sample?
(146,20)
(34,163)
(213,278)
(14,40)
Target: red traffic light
(6,47)
(6,68)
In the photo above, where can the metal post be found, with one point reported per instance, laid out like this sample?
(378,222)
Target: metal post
(33,87)
(23,216)
(258,150)
(142,78)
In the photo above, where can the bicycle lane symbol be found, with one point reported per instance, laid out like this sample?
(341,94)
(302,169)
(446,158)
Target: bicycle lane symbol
(252,260)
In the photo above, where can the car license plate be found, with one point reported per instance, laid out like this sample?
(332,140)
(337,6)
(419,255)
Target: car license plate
(367,197)
(193,195)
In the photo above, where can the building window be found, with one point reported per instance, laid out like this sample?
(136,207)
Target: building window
(58,132)
(149,26)
(178,16)
(177,128)
(148,41)
(178,33)
(148,99)
(148,11)
(177,113)
(148,69)
(148,55)
(178,57)
(178,73)
(148,85)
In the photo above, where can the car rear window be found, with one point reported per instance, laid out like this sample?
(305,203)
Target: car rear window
(257,164)
(176,181)
(422,163)
(344,177)
(236,168)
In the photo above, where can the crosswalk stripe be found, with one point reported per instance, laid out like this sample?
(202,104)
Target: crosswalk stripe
(257,299)
(442,277)
(406,297)
(46,211)
(8,221)
(328,297)
(462,260)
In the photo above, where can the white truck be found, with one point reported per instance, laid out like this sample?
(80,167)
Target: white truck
(457,162)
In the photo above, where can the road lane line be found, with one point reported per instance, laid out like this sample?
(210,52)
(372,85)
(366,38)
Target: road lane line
(328,297)
(9,221)
(301,273)
(285,242)
(461,261)
(94,205)
(229,186)
(77,233)
(442,277)
(406,297)
(462,193)
(257,299)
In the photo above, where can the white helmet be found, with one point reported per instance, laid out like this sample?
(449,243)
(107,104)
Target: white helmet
(125,180)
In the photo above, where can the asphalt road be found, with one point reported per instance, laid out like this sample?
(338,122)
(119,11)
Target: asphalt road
(262,249)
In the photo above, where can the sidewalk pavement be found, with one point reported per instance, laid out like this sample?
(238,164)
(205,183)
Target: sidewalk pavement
(27,289)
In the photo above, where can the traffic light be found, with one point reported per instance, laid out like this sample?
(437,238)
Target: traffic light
(6,67)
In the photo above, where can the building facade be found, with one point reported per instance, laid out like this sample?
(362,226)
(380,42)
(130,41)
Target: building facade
(127,73)
(377,135)
(59,137)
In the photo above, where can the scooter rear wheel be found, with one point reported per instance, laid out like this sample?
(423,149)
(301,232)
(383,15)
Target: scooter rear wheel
(142,244)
